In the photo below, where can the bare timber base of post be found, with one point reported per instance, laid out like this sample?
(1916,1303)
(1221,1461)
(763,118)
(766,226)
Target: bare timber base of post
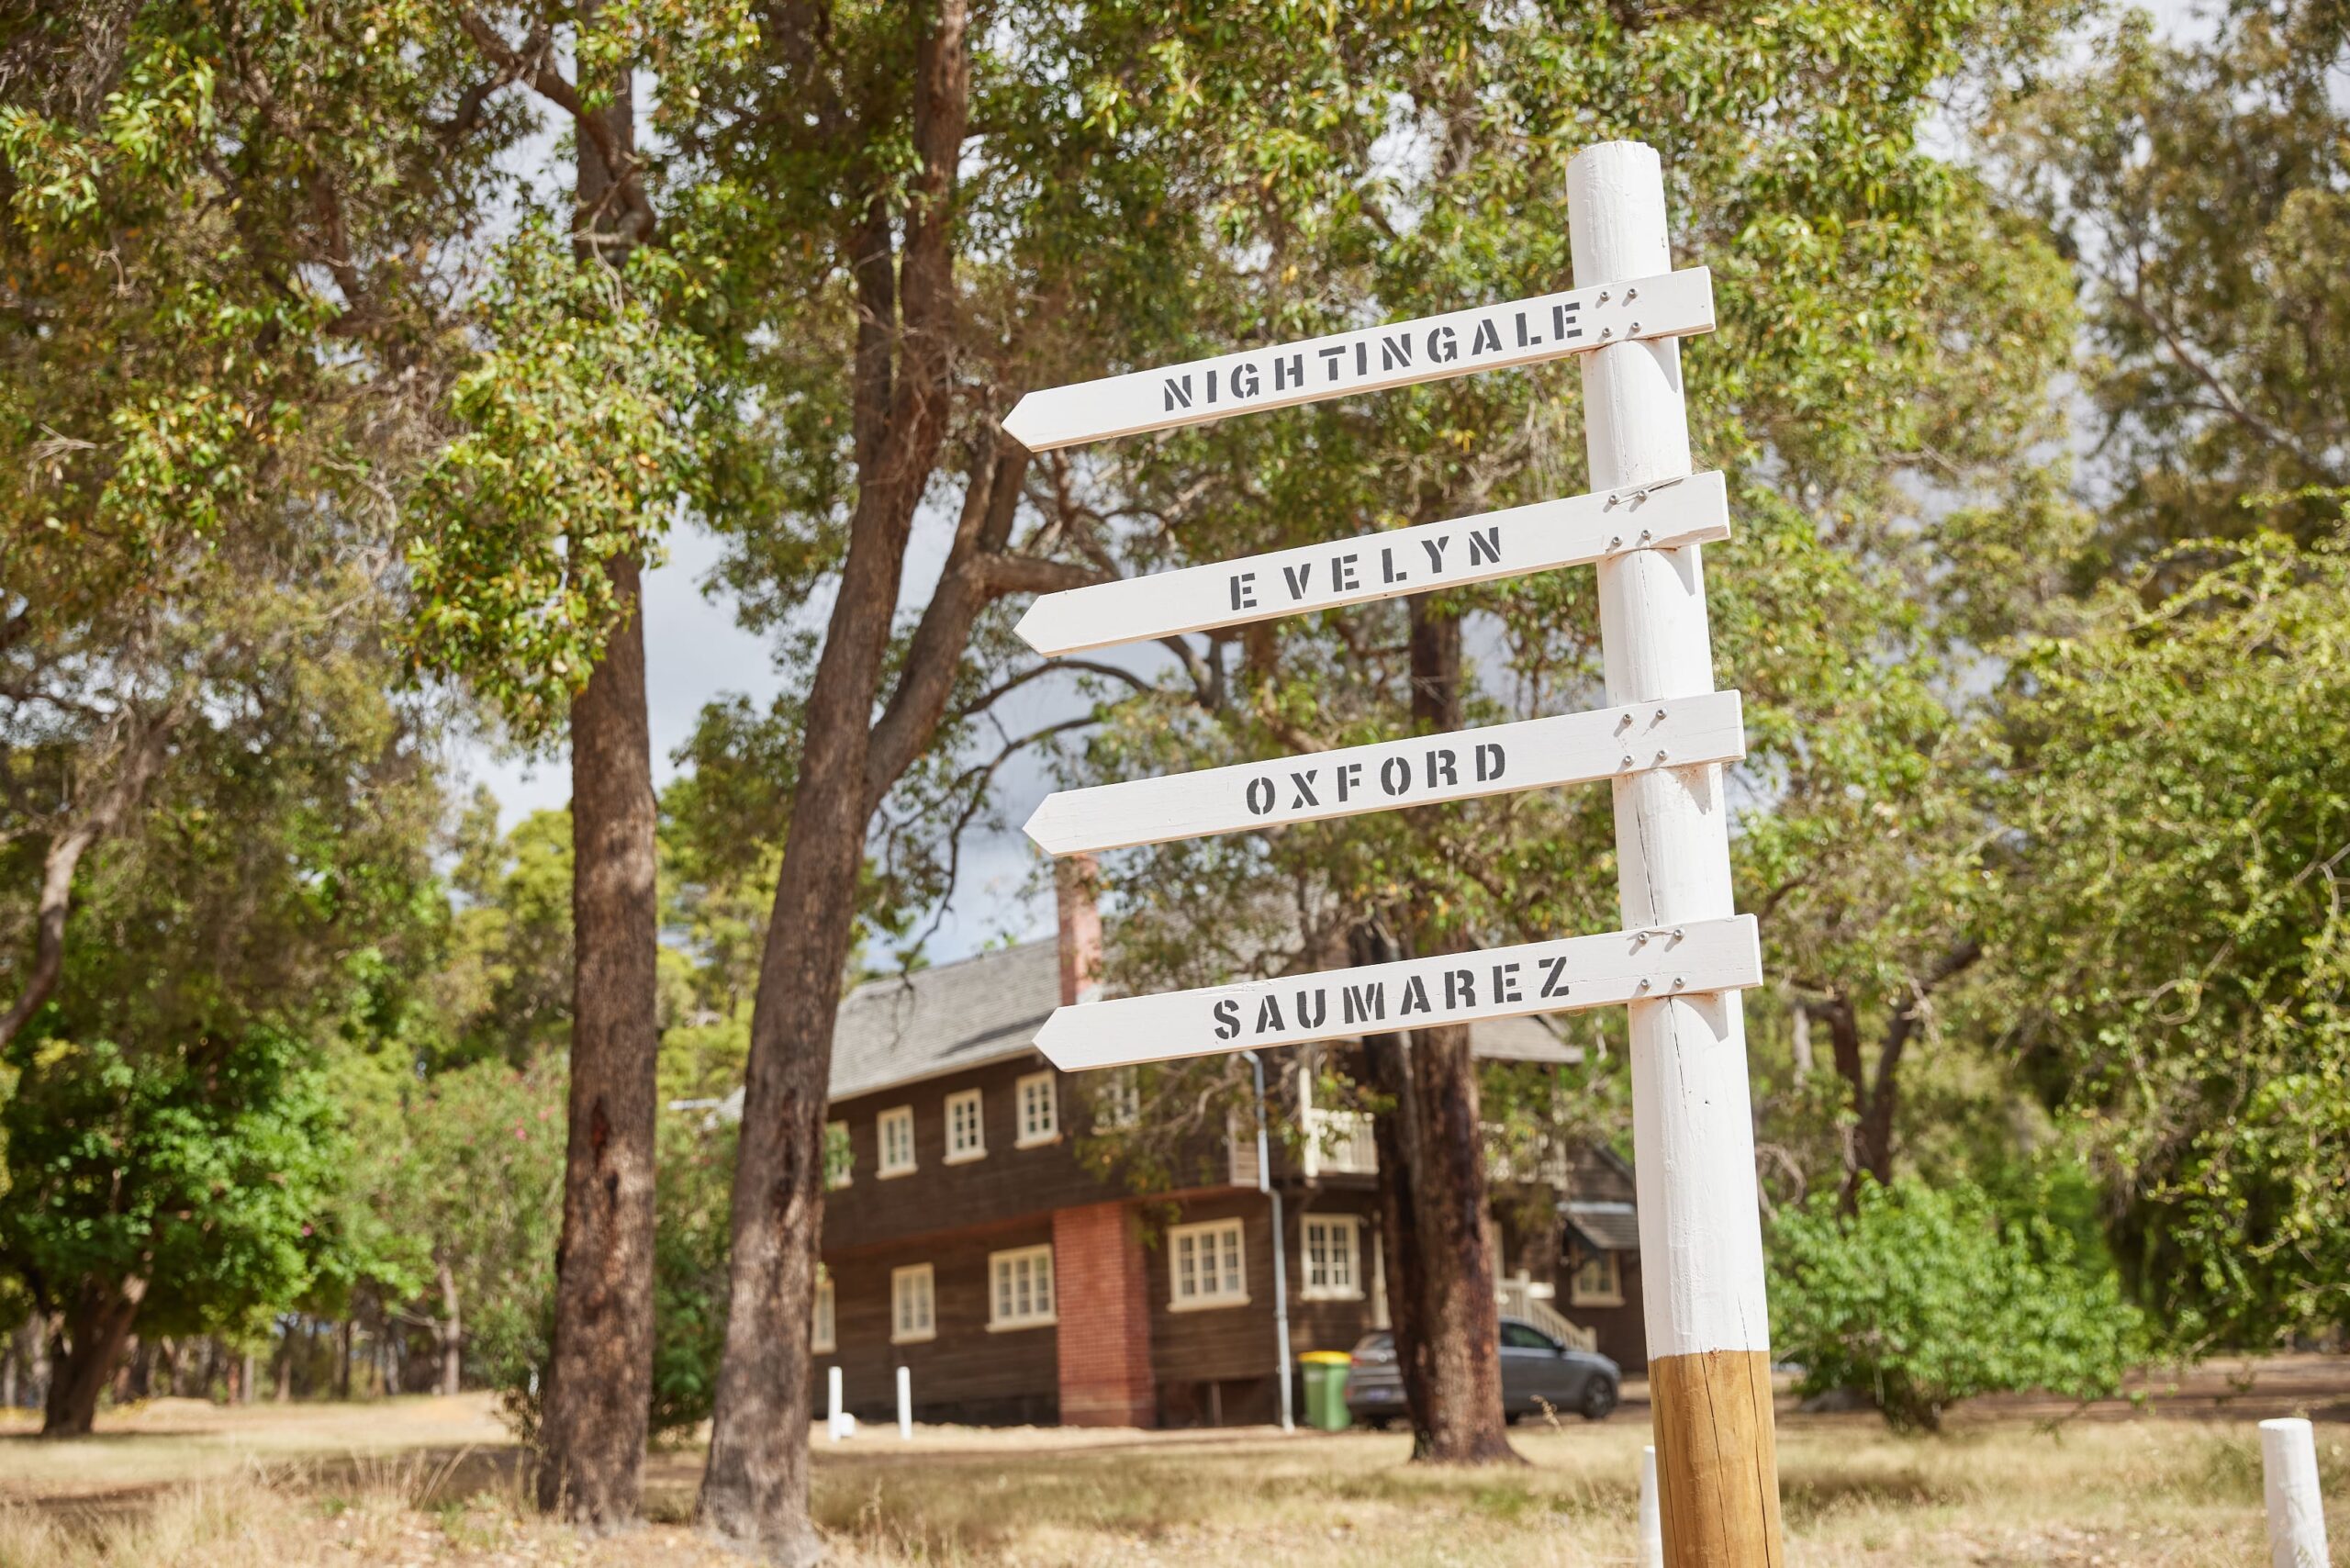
(1717,1459)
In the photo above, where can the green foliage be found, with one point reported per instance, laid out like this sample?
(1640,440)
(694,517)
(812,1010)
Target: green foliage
(199,1175)
(2173,939)
(577,444)
(1920,1297)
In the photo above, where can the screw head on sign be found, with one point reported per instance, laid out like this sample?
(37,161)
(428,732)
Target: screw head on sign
(1615,542)
(1631,294)
(1636,327)
(1606,332)
(1642,986)
(1627,759)
(1603,296)
(1659,712)
(1647,535)
(1659,756)
(1678,983)
(1676,934)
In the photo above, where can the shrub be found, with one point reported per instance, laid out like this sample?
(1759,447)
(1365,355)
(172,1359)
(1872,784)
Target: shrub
(1920,1297)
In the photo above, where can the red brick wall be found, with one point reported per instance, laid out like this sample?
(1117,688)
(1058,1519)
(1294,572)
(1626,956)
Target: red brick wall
(1101,1296)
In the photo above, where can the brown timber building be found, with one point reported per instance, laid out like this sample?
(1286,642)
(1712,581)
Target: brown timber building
(965,1240)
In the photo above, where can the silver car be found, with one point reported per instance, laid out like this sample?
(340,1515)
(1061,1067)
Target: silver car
(1538,1374)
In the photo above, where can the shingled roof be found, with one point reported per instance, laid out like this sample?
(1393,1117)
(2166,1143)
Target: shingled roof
(988,1008)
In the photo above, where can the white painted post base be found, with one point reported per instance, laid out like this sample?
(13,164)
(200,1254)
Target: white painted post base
(836,1421)
(2296,1512)
(905,1403)
(1652,1522)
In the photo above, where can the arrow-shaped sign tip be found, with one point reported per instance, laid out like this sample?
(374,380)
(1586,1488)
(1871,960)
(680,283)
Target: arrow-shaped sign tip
(1047,1042)
(1030,628)
(1020,423)
(1042,830)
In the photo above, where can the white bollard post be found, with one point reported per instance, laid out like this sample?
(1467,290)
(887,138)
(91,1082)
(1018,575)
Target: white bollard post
(832,1422)
(1652,1522)
(2296,1512)
(906,1403)
(1693,1129)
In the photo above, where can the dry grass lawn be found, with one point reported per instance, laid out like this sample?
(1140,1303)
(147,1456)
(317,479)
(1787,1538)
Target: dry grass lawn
(416,1482)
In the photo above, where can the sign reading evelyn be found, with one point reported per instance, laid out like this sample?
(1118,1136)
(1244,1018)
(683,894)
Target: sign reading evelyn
(1458,342)
(1606,971)
(1513,543)
(1568,749)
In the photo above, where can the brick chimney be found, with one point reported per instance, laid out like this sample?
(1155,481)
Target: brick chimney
(1077,881)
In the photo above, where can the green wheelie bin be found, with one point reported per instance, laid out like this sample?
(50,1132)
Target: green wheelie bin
(1326,1389)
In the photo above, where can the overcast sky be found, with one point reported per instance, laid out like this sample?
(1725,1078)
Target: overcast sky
(695,653)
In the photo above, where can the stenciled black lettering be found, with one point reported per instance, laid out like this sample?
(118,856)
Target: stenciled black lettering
(1179,393)
(1243,590)
(1362,1003)
(1460,988)
(1554,977)
(1246,382)
(1227,1019)
(1298,577)
(1524,340)
(1486,340)
(1294,366)
(1349,780)
(1312,1007)
(1332,356)
(1395,776)
(1490,761)
(1506,982)
(1435,547)
(1342,573)
(1415,990)
(1303,784)
(1562,321)
(1212,385)
(1387,564)
(1260,795)
(1268,1014)
(1441,760)
(1485,544)
(1396,350)
(1444,346)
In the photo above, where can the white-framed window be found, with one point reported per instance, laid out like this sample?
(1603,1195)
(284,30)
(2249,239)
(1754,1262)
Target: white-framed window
(1117,1098)
(1596,1281)
(1020,1288)
(1332,1258)
(1205,1266)
(913,1304)
(894,1130)
(839,1156)
(823,1340)
(1040,1109)
(967,1135)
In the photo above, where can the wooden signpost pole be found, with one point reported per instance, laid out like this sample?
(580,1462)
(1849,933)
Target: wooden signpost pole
(1701,1241)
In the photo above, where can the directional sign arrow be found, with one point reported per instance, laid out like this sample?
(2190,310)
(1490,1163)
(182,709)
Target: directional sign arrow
(1549,534)
(1499,983)
(1571,749)
(1525,332)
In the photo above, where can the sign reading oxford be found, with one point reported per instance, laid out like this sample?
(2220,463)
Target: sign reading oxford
(1568,749)
(1577,972)
(1513,543)
(1460,343)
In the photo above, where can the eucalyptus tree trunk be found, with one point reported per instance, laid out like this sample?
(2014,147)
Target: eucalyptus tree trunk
(93,1329)
(754,1487)
(599,1379)
(1456,1310)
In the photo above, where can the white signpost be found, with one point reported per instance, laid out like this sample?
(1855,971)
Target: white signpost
(1684,953)
(1534,754)
(1578,532)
